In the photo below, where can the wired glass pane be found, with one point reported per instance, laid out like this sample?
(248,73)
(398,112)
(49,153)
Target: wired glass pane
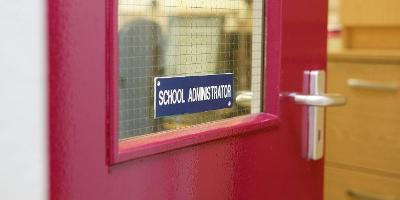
(182,38)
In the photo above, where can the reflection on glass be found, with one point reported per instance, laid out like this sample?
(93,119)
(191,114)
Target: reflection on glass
(186,37)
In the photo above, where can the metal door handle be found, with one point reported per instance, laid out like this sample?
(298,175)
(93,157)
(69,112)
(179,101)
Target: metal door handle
(244,98)
(316,101)
(322,100)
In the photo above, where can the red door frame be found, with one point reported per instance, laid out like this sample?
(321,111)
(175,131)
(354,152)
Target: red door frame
(80,126)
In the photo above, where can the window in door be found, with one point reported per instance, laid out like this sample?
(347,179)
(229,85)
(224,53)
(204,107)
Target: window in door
(170,38)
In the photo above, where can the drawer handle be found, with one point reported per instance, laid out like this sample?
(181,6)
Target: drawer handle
(372,85)
(367,196)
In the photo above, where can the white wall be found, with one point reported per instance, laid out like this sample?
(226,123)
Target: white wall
(23,137)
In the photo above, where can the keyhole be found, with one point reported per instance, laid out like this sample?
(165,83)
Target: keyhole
(319,135)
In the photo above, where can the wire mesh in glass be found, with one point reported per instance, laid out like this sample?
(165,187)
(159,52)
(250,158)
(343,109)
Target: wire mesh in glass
(183,38)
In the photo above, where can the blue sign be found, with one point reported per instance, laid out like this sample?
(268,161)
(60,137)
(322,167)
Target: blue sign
(191,94)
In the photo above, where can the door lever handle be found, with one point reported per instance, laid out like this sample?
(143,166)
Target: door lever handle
(320,100)
(316,101)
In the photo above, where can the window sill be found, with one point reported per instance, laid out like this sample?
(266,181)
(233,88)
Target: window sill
(171,140)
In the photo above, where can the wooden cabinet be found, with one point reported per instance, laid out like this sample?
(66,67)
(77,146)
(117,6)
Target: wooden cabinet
(372,24)
(363,138)
(348,184)
(370,12)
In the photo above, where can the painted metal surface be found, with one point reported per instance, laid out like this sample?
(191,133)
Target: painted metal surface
(157,143)
(241,163)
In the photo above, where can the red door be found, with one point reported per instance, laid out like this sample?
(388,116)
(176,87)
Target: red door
(252,156)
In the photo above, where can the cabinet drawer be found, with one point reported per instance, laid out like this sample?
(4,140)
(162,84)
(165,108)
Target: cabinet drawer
(342,184)
(371,37)
(370,13)
(366,132)
(371,24)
